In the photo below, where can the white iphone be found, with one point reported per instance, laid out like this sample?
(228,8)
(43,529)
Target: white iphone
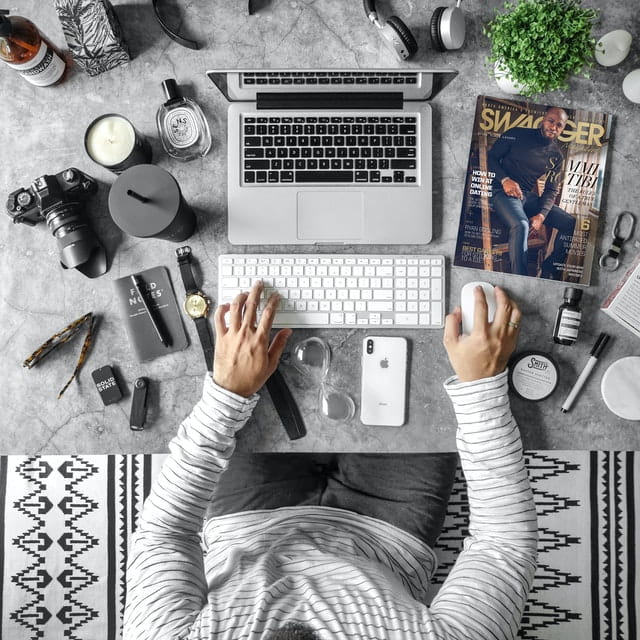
(384,381)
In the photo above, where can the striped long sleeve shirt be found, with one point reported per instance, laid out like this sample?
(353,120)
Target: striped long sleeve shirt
(345,575)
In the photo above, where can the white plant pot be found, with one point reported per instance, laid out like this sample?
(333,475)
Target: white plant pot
(501,74)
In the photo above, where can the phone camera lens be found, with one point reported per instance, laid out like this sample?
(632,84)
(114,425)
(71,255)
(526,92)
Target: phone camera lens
(369,346)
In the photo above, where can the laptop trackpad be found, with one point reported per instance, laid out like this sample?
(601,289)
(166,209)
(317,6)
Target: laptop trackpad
(330,215)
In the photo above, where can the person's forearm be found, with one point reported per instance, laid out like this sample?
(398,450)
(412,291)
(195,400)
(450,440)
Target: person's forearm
(491,454)
(494,157)
(485,592)
(548,198)
(166,585)
(199,453)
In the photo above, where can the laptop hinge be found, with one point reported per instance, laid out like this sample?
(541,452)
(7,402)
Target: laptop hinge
(338,100)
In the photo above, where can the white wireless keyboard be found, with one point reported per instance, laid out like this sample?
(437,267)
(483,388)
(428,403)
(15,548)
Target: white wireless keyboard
(340,290)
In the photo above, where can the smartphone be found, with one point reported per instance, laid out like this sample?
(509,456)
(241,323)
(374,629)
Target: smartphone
(384,381)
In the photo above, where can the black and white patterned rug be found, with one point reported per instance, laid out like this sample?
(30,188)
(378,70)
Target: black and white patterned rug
(67,522)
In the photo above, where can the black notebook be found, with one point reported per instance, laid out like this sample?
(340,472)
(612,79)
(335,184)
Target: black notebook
(143,337)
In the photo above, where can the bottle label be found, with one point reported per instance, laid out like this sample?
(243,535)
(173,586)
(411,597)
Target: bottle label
(45,68)
(569,324)
(181,127)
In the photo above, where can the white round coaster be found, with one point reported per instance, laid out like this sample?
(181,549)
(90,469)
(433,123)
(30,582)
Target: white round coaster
(620,387)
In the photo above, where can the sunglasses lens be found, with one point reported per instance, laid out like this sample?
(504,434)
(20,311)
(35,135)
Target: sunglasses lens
(336,405)
(312,353)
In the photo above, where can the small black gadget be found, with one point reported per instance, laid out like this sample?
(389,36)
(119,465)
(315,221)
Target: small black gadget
(106,384)
(57,200)
(139,404)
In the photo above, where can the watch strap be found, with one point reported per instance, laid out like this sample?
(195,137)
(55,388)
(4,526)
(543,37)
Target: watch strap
(188,279)
(286,406)
(206,340)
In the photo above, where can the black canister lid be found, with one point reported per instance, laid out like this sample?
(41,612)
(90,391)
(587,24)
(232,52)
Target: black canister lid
(6,28)
(572,295)
(170,88)
(144,200)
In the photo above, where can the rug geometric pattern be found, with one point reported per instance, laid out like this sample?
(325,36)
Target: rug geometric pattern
(67,521)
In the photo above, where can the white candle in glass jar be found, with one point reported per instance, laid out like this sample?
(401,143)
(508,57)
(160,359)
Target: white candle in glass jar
(110,140)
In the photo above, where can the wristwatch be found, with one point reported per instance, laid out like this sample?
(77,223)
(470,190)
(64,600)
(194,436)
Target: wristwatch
(196,304)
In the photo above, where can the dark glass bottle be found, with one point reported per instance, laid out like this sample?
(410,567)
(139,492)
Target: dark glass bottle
(27,51)
(568,317)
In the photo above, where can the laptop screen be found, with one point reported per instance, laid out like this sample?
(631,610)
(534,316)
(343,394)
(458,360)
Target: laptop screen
(413,84)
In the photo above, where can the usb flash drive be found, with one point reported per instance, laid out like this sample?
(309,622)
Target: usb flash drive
(139,404)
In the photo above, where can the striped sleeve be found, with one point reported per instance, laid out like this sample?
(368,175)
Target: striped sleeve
(485,592)
(166,584)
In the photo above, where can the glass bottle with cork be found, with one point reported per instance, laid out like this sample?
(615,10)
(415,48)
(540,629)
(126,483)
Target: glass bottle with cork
(26,50)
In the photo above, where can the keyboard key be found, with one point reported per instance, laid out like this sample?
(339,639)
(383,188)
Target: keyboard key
(324,176)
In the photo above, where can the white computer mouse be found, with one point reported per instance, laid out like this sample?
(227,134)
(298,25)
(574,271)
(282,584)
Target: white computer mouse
(467,302)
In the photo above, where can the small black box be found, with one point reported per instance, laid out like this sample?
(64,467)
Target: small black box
(106,384)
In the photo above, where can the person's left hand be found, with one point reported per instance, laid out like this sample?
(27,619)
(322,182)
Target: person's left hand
(244,358)
(537,221)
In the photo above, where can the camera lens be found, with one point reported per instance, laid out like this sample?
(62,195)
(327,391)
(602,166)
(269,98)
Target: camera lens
(78,245)
(369,346)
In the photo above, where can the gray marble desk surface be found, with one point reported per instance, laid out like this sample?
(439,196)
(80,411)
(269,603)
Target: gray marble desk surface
(41,131)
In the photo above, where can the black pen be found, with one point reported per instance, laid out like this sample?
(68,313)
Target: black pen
(136,283)
(598,347)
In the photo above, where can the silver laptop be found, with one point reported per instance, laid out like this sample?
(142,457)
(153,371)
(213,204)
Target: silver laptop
(330,157)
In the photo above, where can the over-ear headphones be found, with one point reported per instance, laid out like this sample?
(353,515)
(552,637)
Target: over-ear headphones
(447,30)
(394,32)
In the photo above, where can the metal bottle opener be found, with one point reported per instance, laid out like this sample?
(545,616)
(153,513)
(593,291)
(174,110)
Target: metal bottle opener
(622,231)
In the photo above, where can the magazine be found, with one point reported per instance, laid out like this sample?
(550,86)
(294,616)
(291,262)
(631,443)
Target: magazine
(533,190)
(623,303)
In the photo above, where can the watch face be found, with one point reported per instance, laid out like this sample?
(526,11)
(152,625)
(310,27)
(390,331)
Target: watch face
(196,305)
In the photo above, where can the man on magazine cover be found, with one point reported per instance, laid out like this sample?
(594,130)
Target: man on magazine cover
(518,159)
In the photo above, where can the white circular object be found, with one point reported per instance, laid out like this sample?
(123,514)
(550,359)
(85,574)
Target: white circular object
(110,140)
(452,28)
(533,375)
(620,388)
(501,74)
(631,86)
(613,47)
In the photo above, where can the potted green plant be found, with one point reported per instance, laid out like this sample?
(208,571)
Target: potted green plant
(538,44)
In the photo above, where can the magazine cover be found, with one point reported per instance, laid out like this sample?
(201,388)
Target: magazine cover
(533,189)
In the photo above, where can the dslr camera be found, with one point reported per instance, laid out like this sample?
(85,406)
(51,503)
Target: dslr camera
(58,200)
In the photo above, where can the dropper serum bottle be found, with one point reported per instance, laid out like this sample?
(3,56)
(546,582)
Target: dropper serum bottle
(182,127)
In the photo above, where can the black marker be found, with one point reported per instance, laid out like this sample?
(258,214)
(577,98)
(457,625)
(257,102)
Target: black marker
(136,283)
(598,348)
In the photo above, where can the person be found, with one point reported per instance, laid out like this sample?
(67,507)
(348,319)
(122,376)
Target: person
(317,571)
(518,158)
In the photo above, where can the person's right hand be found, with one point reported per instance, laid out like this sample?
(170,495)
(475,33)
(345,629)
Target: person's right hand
(512,188)
(244,358)
(485,352)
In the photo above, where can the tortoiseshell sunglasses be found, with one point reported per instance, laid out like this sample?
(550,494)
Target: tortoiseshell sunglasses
(60,338)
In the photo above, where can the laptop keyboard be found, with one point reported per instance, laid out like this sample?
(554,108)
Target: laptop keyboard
(339,149)
(342,290)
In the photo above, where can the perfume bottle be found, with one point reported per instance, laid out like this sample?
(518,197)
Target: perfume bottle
(182,127)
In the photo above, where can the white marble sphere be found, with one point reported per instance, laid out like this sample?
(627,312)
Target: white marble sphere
(631,86)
